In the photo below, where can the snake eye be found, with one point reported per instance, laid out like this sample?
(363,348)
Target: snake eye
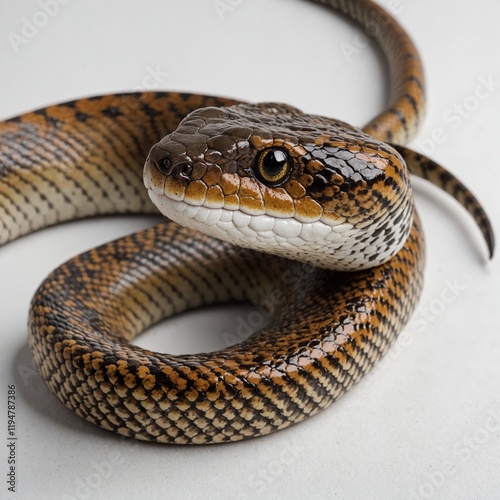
(185,170)
(272,167)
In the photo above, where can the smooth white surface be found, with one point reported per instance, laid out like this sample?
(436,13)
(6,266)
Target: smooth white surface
(426,422)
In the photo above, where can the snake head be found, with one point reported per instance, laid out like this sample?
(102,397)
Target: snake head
(269,177)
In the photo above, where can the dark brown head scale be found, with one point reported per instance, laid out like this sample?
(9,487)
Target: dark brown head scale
(227,137)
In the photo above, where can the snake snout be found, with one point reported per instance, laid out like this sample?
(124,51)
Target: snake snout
(170,164)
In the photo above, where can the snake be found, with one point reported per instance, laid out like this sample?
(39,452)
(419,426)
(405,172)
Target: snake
(304,216)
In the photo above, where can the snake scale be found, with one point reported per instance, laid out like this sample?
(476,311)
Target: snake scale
(313,220)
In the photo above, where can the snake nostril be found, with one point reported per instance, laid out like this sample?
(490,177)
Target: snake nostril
(166,163)
(164,166)
(168,166)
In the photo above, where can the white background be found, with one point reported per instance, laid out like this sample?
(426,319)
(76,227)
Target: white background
(426,423)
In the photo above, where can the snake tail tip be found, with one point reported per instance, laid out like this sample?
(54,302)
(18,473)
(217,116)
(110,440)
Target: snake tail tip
(488,234)
(491,245)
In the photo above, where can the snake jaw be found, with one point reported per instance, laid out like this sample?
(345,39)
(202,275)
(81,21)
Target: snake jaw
(342,247)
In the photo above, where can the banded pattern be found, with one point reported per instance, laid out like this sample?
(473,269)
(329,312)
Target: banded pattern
(431,171)
(84,158)
(399,122)
(283,374)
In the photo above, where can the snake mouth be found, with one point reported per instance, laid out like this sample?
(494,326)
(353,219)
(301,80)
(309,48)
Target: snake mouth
(233,224)
(314,243)
(344,247)
(180,211)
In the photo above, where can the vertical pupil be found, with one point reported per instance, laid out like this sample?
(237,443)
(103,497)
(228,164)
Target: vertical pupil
(274,161)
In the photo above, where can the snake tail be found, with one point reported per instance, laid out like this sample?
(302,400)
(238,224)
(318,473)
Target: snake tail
(427,169)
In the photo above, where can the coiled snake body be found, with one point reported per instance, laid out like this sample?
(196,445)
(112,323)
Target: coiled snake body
(328,206)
